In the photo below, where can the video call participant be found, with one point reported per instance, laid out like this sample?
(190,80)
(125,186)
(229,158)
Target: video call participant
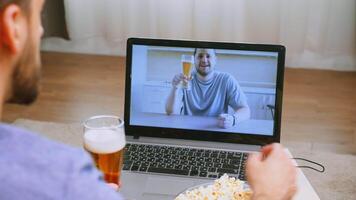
(35,168)
(211,92)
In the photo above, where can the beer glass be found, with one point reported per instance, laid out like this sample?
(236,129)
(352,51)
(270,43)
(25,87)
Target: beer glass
(187,65)
(104,139)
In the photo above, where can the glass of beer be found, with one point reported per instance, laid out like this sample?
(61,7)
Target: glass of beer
(104,139)
(187,65)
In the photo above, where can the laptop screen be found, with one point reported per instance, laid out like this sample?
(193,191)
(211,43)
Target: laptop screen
(203,88)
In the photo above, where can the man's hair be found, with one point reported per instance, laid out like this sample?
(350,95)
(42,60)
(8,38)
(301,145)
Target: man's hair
(24,4)
(196,49)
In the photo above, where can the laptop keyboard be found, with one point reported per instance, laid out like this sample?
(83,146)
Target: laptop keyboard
(193,162)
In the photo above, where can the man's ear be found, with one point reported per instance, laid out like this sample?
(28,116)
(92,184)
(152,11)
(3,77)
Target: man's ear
(13,28)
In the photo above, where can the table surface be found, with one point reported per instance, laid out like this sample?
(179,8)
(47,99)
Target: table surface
(251,126)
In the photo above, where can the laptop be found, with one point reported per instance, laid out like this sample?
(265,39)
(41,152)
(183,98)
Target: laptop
(182,133)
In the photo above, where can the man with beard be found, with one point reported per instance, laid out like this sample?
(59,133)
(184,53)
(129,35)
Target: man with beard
(35,168)
(211,92)
(32,167)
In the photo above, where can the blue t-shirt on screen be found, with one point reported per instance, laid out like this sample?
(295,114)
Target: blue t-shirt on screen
(35,168)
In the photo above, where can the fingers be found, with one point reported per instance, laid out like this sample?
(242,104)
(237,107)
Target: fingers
(178,78)
(113,186)
(291,191)
(225,121)
(226,117)
(272,149)
(253,164)
(253,160)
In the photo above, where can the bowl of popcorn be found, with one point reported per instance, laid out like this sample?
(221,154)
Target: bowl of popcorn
(224,188)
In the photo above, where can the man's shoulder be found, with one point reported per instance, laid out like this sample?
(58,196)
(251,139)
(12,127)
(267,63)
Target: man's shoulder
(37,168)
(20,144)
(224,76)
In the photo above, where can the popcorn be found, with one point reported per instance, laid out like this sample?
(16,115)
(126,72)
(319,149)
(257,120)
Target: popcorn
(224,188)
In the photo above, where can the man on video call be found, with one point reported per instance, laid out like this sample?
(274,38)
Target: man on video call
(211,92)
(35,168)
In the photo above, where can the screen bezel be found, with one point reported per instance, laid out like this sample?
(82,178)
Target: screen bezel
(239,138)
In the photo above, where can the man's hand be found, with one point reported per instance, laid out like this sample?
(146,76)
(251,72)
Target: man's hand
(271,174)
(225,121)
(114,186)
(178,78)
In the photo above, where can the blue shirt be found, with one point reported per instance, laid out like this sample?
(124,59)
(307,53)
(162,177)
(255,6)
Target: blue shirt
(35,168)
(213,97)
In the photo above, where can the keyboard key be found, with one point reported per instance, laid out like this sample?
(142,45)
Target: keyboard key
(242,177)
(224,161)
(228,166)
(194,168)
(145,164)
(198,154)
(192,158)
(126,167)
(184,162)
(203,174)
(161,165)
(217,165)
(209,164)
(168,171)
(192,163)
(170,166)
(208,160)
(235,162)
(214,155)
(138,163)
(143,169)
(134,168)
(212,176)
(222,156)
(194,173)
(206,154)
(178,166)
(186,167)
(212,169)
(204,169)
(154,164)
(228,171)
(127,162)
(234,156)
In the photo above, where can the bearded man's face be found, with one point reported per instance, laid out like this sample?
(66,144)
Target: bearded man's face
(24,85)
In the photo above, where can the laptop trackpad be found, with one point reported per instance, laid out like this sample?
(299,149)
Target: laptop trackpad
(165,187)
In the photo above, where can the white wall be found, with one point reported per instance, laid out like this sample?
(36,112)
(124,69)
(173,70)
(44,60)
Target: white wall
(316,33)
(247,69)
(137,82)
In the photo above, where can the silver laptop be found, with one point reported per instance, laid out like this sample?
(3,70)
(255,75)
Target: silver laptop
(182,133)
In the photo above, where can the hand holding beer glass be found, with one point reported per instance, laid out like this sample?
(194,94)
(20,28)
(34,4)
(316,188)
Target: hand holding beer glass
(187,65)
(104,139)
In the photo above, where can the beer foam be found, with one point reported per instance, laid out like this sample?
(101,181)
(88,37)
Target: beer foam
(104,141)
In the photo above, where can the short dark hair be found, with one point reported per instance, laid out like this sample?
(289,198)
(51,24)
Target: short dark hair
(24,4)
(195,50)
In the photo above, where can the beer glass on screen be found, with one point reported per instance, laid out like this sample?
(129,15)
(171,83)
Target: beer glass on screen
(187,65)
(104,139)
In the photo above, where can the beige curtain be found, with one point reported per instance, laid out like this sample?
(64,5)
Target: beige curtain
(317,33)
